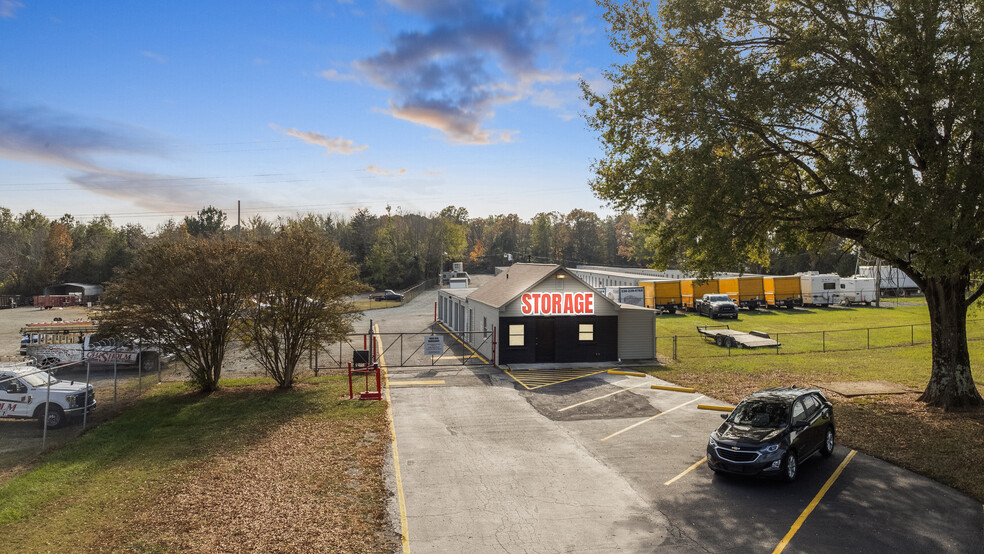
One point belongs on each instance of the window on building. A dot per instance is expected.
(517, 335)
(829, 286)
(585, 332)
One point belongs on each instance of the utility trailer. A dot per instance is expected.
(692, 290)
(724, 335)
(663, 295)
(747, 292)
(782, 291)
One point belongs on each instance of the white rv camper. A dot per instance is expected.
(819, 289)
(857, 290)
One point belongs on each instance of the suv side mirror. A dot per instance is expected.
(724, 416)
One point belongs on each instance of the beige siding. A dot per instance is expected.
(636, 332)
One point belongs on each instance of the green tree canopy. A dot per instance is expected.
(750, 123)
(187, 295)
(303, 281)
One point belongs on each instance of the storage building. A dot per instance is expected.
(543, 313)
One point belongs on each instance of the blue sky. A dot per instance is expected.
(150, 110)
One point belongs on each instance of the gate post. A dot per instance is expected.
(675, 347)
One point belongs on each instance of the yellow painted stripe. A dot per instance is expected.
(416, 383)
(599, 397)
(688, 470)
(632, 373)
(547, 379)
(404, 527)
(634, 425)
(717, 408)
(813, 504)
(675, 389)
(463, 343)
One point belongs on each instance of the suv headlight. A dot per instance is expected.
(770, 449)
(711, 441)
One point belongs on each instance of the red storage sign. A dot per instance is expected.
(558, 303)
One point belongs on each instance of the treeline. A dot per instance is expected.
(392, 250)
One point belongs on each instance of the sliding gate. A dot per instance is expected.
(436, 347)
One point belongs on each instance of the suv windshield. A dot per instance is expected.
(719, 298)
(769, 415)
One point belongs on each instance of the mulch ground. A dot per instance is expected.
(315, 485)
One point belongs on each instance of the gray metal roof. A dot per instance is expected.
(517, 279)
(512, 282)
(66, 288)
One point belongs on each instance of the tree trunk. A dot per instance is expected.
(951, 386)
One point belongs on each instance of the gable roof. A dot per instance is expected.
(511, 283)
(517, 279)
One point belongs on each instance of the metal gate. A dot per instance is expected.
(405, 349)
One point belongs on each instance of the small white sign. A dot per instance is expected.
(433, 345)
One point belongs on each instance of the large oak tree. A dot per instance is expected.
(743, 123)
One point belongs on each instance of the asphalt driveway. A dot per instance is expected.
(604, 463)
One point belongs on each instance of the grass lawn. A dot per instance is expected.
(363, 305)
(948, 447)
(246, 468)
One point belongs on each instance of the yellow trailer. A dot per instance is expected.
(782, 291)
(691, 290)
(747, 292)
(662, 295)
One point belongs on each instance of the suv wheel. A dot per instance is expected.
(789, 466)
(828, 443)
(56, 417)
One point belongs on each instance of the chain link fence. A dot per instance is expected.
(679, 347)
(26, 399)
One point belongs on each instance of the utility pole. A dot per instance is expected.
(239, 218)
(878, 282)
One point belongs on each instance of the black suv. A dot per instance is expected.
(771, 432)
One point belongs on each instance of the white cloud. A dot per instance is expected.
(8, 8)
(334, 75)
(381, 171)
(154, 56)
(331, 145)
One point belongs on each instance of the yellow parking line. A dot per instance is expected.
(634, 425)
(463, 343)
(416, 383)
(404, 527)
(599, 397)
(813, 504)
(688, 470)
(548, 378)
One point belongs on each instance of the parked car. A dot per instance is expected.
(716, 305)
(24, 391)
(386, 295)
(771, 432)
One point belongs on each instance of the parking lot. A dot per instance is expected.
(577, 459)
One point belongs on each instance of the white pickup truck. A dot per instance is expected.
(95, 352)
(24, 393)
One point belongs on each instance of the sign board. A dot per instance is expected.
(558, 303)
(632, 295)
(433, 345)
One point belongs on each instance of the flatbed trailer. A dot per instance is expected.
(724, 335)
